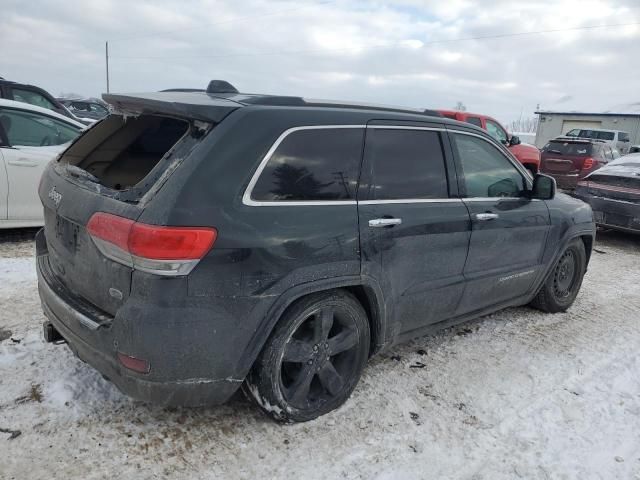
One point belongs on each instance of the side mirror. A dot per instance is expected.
(514, 140)
(544, 187)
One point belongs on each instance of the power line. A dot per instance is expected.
(224, 22)
(387, 45)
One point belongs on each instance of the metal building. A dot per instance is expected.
(621, 117)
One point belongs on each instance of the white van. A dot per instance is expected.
(616, 138)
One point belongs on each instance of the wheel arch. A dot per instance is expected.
(366, 291)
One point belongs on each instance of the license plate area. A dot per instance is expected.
(67, 234)
(618, 220)
(558, 165)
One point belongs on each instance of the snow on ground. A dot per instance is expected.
(518, 394)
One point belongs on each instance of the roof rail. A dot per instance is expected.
(579, 139)
(224, 87)
(290, 101)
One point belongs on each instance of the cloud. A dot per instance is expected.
(407, 52)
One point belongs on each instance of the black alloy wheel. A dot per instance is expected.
(314, 358)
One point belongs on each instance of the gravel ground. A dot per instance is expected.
(517, 394)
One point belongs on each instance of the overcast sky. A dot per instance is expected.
(404, 52)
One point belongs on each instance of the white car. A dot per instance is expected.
(614, 138)
(30, 137)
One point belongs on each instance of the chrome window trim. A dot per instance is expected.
(247, 200)
(406, 127)
(410, 200)
(246, 197)
(498, 199)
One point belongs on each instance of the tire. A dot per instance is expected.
(563, 283)
(314, 358)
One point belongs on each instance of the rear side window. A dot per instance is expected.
(403, 164)
(474, 121)
(597, 134)
(312, 165)
(604, 135)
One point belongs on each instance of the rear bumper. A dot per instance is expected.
(612, 213)
(95, 342)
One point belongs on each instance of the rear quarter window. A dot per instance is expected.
(312, 165)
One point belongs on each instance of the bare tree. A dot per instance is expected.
(524, 125)
(460, 106)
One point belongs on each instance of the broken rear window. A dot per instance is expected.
(121, 151)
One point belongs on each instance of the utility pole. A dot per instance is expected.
(106, 58)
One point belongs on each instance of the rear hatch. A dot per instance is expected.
(115, 168)
(565, 157)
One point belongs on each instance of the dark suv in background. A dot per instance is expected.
(208, 240)
(570, 159)
(33, 95)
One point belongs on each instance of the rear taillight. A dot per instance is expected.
(588, 163)
(150, 248)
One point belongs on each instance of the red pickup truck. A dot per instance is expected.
(527, 155)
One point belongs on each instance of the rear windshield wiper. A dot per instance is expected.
(555, 151)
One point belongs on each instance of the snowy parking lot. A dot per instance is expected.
(518, 394)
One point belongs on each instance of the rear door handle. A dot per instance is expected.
(384, 222)
(484, 217)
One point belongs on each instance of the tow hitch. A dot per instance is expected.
(51, 335)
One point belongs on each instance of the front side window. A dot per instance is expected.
(474, 121)
(623, 137)
(32, 129)
(496, 131)
(403, 164)
(487, 172)
(573, 133)
(312, 165)
(31, 97)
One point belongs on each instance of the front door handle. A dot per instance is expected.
(384, 222)
(484, 217)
